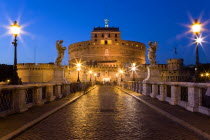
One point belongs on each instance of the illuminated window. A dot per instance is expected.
(94, 43)
(137, 45)
(102, 41)
(117, 43)
(109, 41)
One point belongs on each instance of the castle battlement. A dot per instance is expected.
(34, 66)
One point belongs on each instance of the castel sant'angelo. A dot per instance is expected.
(104, 58)
(106, 53)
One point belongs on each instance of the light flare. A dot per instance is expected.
(78, 69)
(90, 71)
(199, 40)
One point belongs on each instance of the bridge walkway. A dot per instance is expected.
(107, 113)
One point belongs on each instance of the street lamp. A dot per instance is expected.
(95, 76)
(78, 80)
(15, 30)
(116, 75)
(133, 69)
(90, 71)
(78, 66)
(196, 29)
(121, 73)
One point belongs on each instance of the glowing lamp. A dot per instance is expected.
(15, 28)
(196, 27)
(199, 40)
(78, 69)
(78, 65)
(133, 68)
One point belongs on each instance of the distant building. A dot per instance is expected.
(105, 53)
(30, 72)
(204, 72)
(176, 72)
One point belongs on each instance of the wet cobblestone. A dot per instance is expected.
(107, 114)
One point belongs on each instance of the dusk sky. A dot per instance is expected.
(45, 21)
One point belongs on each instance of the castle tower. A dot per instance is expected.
(107, 50)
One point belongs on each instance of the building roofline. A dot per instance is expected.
(106, 29)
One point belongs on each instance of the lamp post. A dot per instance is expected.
(133, 69)
(15, 30)
(116, 75)
(95, 76)
(78, 80)
(196, 29)
(121, 73)
(90, 74)
(78, 66)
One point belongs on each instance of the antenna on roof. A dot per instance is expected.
(106, 23)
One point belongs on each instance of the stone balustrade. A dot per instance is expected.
(19, 98)
(194, 97)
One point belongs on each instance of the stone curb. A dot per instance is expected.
(37, 120)
(173, 118)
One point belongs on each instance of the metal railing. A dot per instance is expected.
(184, 94)
(205, 100)
(29, 95)
(44, 92)
(5, 100)
(168, 91)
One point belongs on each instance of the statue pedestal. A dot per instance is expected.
(153, 74)
(59, 75)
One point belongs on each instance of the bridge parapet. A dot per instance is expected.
(194, 97)
(19, 98)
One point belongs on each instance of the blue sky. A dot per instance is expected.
(46, 21)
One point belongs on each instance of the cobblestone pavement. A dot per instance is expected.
(197, 120)
(15, 121)
(106, 113)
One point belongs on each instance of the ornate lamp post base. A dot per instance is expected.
(15, 80)
(78, 80)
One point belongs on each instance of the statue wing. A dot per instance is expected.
(57, 44)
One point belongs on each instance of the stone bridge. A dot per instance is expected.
(129, 110)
